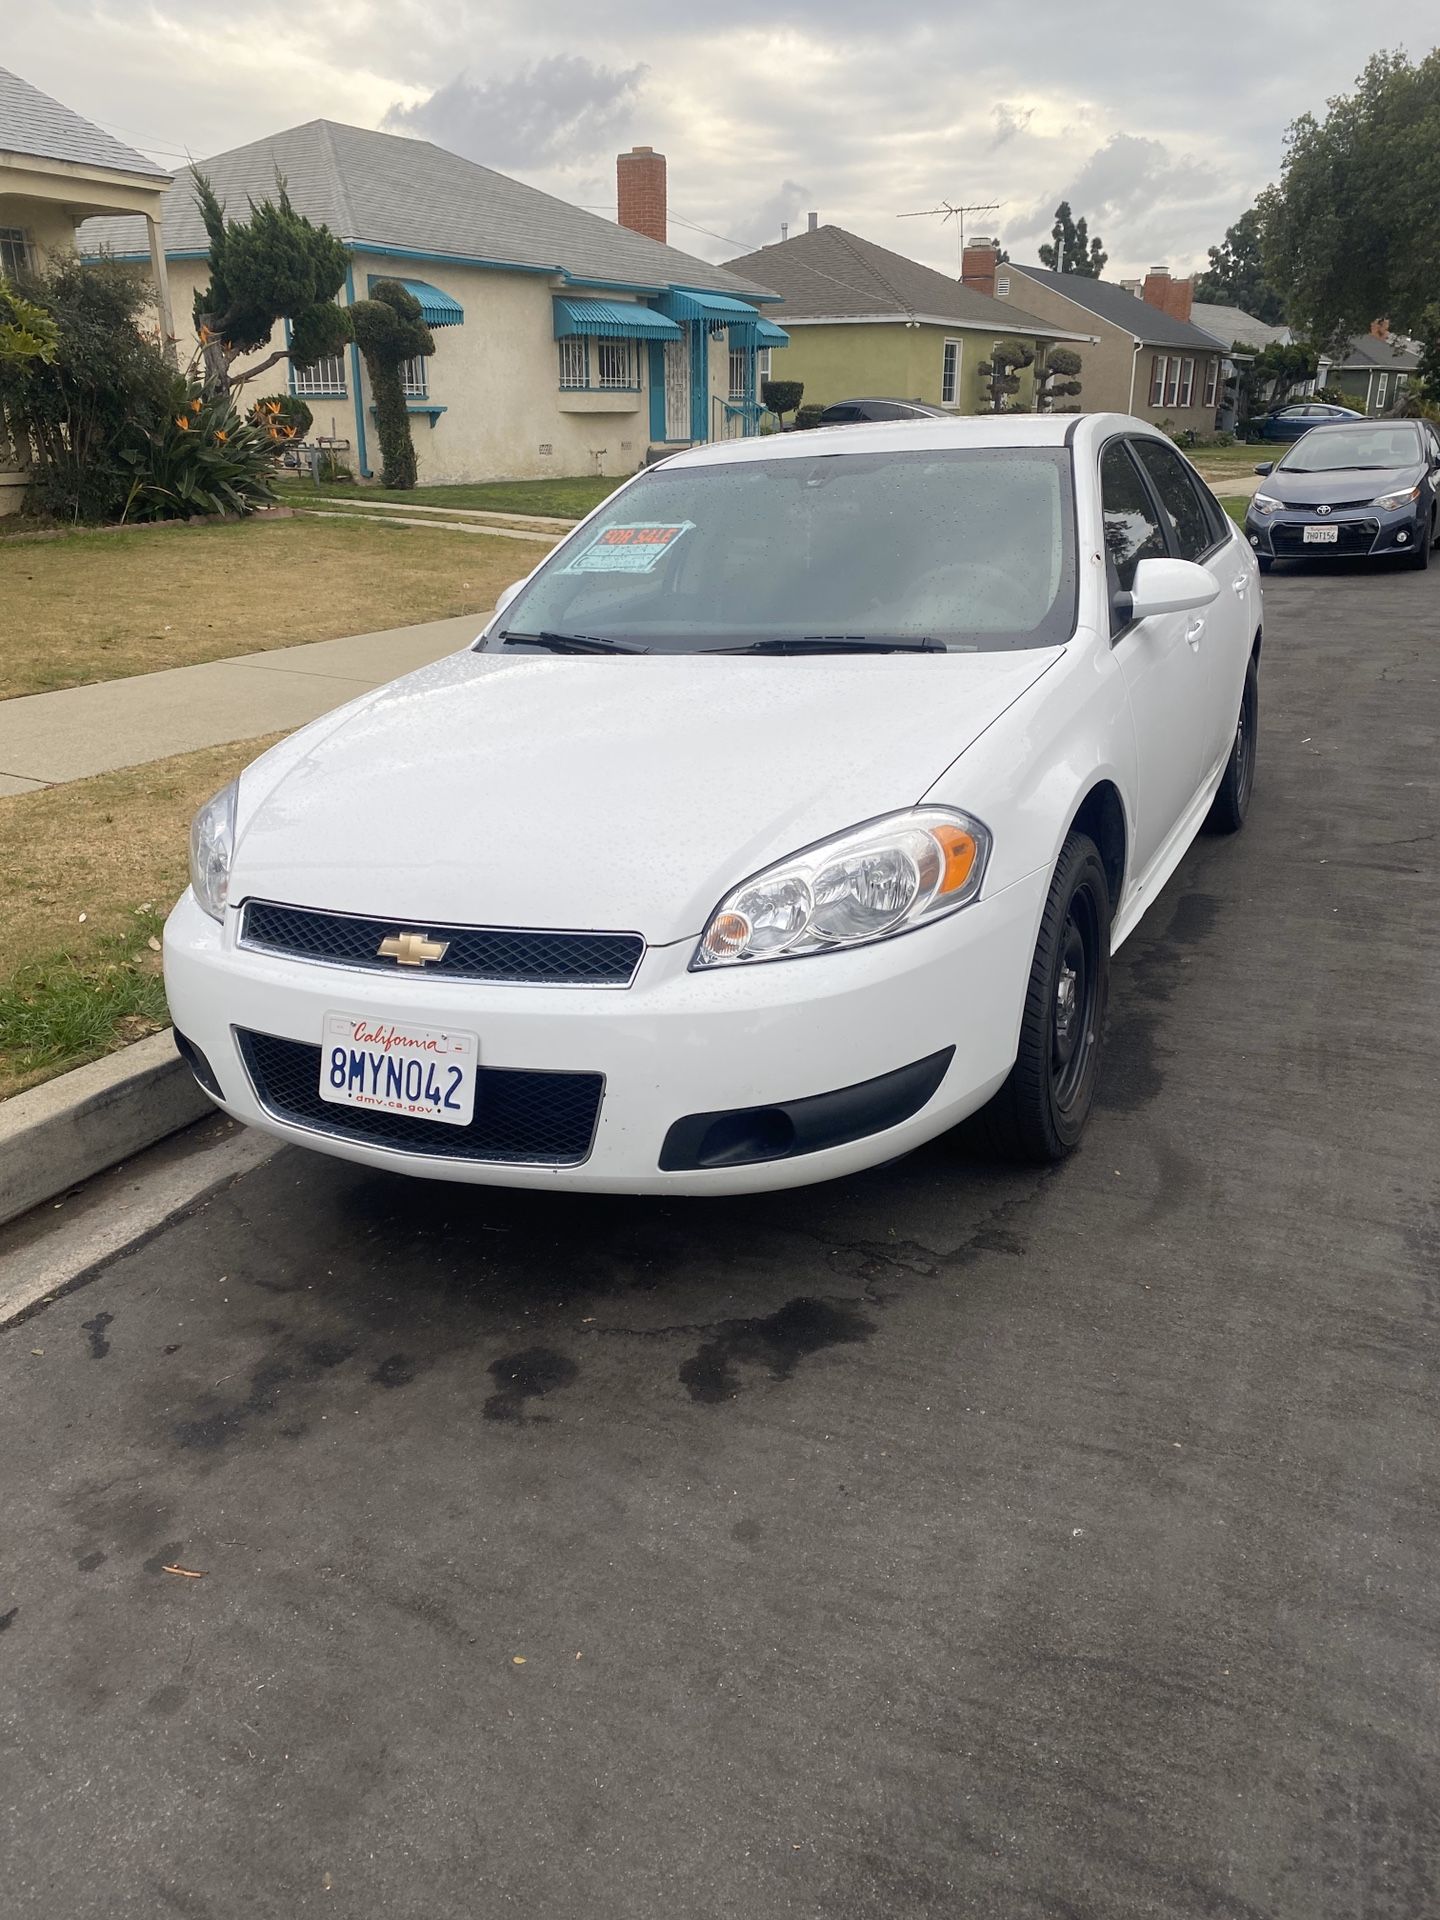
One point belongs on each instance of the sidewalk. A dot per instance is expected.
(47, 738)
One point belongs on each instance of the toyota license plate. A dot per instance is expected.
(1321, 536)
(425, 1073)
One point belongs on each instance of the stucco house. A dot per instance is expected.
(1150, 358)
(1373, 371)
(565, 343)
(865, 321)
(56, 169)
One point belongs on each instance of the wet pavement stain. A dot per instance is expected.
(167, 1699)
(8, 1619)
(213, 1430)
(778, 1342)
(526, 1376)
(395, 1370)
(90, 1561)
(99, 1345)
(746, 1532)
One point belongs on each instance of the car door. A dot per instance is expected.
(1199, 530)
(1164, 674)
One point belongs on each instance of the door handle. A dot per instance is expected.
(1193, 633)
(1240, 582)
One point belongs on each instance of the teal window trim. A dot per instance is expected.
(428, 407)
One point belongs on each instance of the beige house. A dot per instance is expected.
(564, 343)
(56, 170)
(1149, 358)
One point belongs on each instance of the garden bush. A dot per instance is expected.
(203, 460)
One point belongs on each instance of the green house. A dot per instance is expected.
(1373, 372)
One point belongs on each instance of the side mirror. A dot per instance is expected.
(1166, 586)
(506, 595)
(1265, 466)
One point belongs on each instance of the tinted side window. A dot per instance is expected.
(1132, 533)
(840, 416)
(1178, 497)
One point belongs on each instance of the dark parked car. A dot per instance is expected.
(1366, 488)
(1288, 423)
(844, 413)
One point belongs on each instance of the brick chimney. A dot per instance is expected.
(1174, 297)
(978, 263)
(1380, 329)
(640, 192)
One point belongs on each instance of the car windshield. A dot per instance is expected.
(964, 548)
(1327, 449)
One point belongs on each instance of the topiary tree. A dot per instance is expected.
(389, 330)
(1071, 249)
(276, 266)
(782, 396)
(1055, 378)
(1000, 374)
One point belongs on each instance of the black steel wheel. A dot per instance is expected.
(1039, 1114)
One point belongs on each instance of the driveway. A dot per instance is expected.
(949, 1541)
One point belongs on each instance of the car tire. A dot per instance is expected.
(1237, 783)
(1037, 1117)
(1420, 552)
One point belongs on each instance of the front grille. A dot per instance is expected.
(518, 956)
(1356, 536)
(530, 1119)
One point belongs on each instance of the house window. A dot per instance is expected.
(762, 364)
(1002, 287)
(324, 381)
(574, 363)
(1172, 379)
(950, 374)
(14, 252)
(616, 363)
(1382, 387)
(415, 379)
(1157, 380)
(1212, 380)
(738, 358)
(1187, 383)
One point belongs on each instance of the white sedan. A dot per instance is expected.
(789, 812)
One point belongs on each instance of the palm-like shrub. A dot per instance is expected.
(205, 459)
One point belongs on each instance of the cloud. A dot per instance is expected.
(787, 206)
(1136, 195)
(1008, 122)
(552, 112)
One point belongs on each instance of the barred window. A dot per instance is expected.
(325, 380)
(737, 373)
(615, 359)
(415, 378)
(574, 363)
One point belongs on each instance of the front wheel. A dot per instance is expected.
(1420, 553)
(1039, 1114)
(1232, 797)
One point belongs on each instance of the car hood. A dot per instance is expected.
(608, 793)
(1347, 484)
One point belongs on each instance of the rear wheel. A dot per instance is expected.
(1039, 1114)
(1232, 798)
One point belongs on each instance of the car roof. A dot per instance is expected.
(880, 400)
(927, 435)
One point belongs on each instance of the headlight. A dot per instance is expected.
(212, 847)
(869, 883)
(1393, 500)
(1266, 503)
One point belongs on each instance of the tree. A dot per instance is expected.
(389, 330)
(276, 266)
(782, 396)
(1268, 378)
(1352, 231)
(27, 332)
(1055, 378)
(1000, 374)
(1071, 249)
(1237, 273)
(1428, 333)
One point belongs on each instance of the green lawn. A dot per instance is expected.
(1235, 505)
(1241, 458)
(565, 499)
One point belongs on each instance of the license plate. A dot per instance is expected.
(425, 1073)
(1321, 536)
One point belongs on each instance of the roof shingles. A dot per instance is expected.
(1121, 308)
(384, 190)
(33, 124)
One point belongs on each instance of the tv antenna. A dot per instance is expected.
(947, 212)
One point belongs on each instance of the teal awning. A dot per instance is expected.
(717, 308)
(437, 309)
(611, 320)
(767, 334)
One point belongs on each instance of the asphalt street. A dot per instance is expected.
(948, 1541)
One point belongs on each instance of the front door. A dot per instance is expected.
(677, 390)
(1164, 674)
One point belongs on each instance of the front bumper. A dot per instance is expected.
(1362, 533)
(674, 1045)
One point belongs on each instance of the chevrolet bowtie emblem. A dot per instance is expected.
(412, 949)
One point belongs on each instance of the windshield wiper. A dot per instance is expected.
(838, 643)
(569, 643)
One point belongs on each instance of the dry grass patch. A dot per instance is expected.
(101, 606)
(90, 870)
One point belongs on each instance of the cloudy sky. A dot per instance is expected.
(1159, 123)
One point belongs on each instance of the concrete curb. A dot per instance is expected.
(59, 1134)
